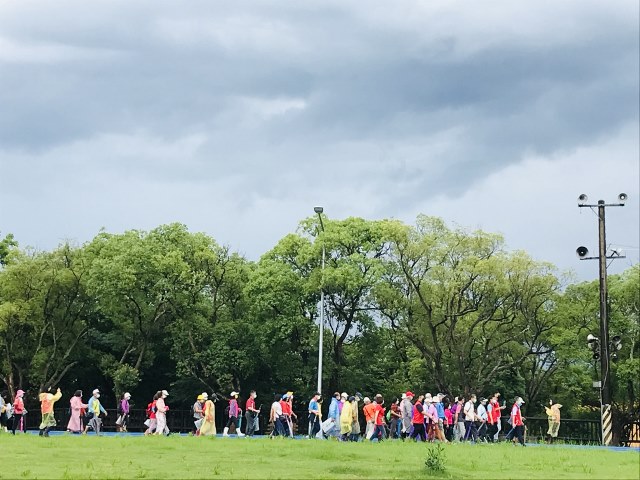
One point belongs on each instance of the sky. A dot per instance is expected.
(237, 118)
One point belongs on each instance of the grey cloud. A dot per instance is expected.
(278, 102)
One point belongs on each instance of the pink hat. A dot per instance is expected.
(19, 393)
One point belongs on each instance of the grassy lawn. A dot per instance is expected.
(190, 457)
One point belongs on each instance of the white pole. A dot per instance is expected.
(320, 341)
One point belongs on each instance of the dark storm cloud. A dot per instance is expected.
(390, 103)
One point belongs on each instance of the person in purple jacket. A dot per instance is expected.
(123, 413)
(234, 411)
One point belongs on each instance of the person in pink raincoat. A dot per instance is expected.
(77, 410)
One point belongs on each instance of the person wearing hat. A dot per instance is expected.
(406, 410)
(208, 425)
(395, 418)
(470, 418)
(198, 412)
(431, 417)
(355, 421)
(369, 416)
(459, 429)
(315, 415)
(346, 418)
(286, 415)
(94, 410)
(18, 413)
(378, 419)
(233, 416)
(123, 413)
(483, 417)
(553, 416)
(161, 414)
(334, 414)
(517, 422)
(47, 400)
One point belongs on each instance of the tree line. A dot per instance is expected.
(425, 306)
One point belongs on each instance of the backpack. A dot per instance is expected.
(389, 416)
(150, 409)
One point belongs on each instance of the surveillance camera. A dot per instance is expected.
(582, 199)
(614, 357)
(582, 252)
(591, 338)
(622, 198)
(596, 355)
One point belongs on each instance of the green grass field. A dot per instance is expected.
(203, 458)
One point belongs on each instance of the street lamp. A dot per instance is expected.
(319, 211)
(602, 342)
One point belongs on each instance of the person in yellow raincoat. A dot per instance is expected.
(47, 399)
(553, 416)
(209, 424)
(346, 419)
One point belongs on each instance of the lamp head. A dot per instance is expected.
(582, 252)
(318, 210)
(582, 199)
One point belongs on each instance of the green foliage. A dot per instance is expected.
(436, 458)
(423, 307)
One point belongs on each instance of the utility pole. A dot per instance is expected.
(603, 341)
(604, 310)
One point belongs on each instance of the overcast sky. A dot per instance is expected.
(237, 118)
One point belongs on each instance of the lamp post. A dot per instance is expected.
(605, 380)
(319, 211)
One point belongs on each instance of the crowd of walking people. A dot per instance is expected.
(422, 417)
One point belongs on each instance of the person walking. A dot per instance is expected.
(459, 431)
(493, 417)
(161, 413)
(378, 419)
(275, 417)
(448, 420)
(233, 416)
(47, 400)
(369, 416)
(77, 408)
(417, 420)
(315, 415)
(19, 413)
(198, 413)
(517, 423)
(123, 413)
(431, 417)
(346, 418)
(406, 410)
(483, 418)
(497, 416)
(355, 420)
(470, 419)
(287, 410)
(395, 417)
(439, 433)
(553, 416)
(334, 415)
(208, 425)
(251, 414)
(151, 422)
(95, 409)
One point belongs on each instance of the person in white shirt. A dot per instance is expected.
(482, 418)
(276, 417)
(469, 419)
